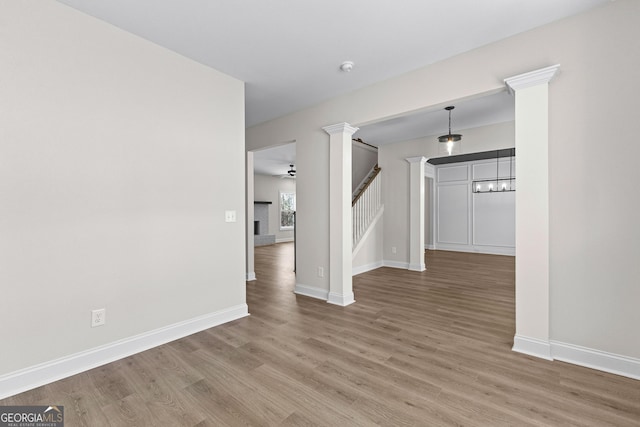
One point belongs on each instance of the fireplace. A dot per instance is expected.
(261, 224)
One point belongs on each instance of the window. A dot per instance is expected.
(287, 210)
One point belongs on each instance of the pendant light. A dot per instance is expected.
(450, 138)
(292, 171)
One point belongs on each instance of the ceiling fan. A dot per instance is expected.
(291, 173)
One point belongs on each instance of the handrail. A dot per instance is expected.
(376, 170)
(365, 143)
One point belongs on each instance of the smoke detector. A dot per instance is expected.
(346, 66)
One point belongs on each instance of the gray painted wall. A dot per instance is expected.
(116, 156)
(593, 226)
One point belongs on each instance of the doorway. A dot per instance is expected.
(271, 194)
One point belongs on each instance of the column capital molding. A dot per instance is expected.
(421, 159)
(340, 128)
(532, 78)
(429, 170)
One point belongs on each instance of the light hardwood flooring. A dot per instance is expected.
(429, 349)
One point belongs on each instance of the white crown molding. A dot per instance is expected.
(48, 372)
(416, 159)
(532, 78)
(340, 128)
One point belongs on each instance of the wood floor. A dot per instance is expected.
(428, 349)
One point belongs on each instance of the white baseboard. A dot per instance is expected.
(45, 373)
(251, 276)
(395, 264)
(532, 347)
(367, 267)
(596, 359)
(310, 291)
(477, 249)
(577, 355)
(430, 247)
(284, 240)
(340, 299)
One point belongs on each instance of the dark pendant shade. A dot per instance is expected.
(450, 137)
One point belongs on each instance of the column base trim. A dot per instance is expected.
(417, 267)
(340, 299)
(311, 291)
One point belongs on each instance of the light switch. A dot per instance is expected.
(230, 216)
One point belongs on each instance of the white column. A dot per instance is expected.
(416, 213)
(430, 172)
(532, 211)
(251, 274)
(340, 235)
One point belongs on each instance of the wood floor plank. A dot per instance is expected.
(255, 400)
(109, 383)
(130, 411)
(80, 408)
(171, 367)
(426, 348)
(309, 402)
(223, 408)
(162, 396)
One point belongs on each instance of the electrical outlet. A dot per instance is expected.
(393, 249)
(98, 317)
(320, 272)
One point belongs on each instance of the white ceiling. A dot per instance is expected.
(275, 161)
(497, 108)
(289, 51)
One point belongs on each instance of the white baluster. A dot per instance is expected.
(365, 209)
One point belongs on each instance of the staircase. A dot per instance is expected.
(366, 203)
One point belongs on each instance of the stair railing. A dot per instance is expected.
(365, 205)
